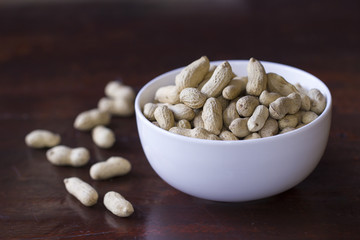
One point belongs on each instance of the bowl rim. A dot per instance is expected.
(140, 115)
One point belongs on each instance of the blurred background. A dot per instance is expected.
(81, 42)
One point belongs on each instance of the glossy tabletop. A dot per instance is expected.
(56, 58)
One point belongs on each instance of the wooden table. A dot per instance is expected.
(56, 58)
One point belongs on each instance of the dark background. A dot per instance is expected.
(57, 56)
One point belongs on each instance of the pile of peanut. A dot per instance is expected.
(119, 101)
(211, 102)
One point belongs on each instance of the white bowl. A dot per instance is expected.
(233, 171)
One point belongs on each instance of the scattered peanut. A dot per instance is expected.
(91, 118)
(42, 139)
(116, 106)
(85, 193)
(118, 90)
(65, 156)
(113, 167)
(117, 204)
(103, 137)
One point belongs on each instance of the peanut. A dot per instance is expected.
(230, 113)
(118, 90)
(181, 111)
(278, 84)
(252, 136)
(227, 135)
(81, 190)
(318, 101)
(257, 78)
(287, 129)
(207, 76)
(305, 102)
(42, 139)
(299, 115)
(246, 105)
(192, 74)
(284, 105)
(164, 116)
(197, 121)
(183, 123)
(195, 133)
(296, 103)
(223, 102)
(236, 86)
(289, 120)
(117, 204)
(212, 116)
(308, 117)
(258, 118)
(168, 94)
(266, 97)
(103, 137)
(270, 128)
(239, 127)
(300, 125)
(192, 97)
(91, 118)
(65, 156)
(149, 109)
(113, 167)
(218, 81)
(300, 88)
(116, 106)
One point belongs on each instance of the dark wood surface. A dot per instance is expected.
(55, 59)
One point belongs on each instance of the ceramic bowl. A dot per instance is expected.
(234, 171)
